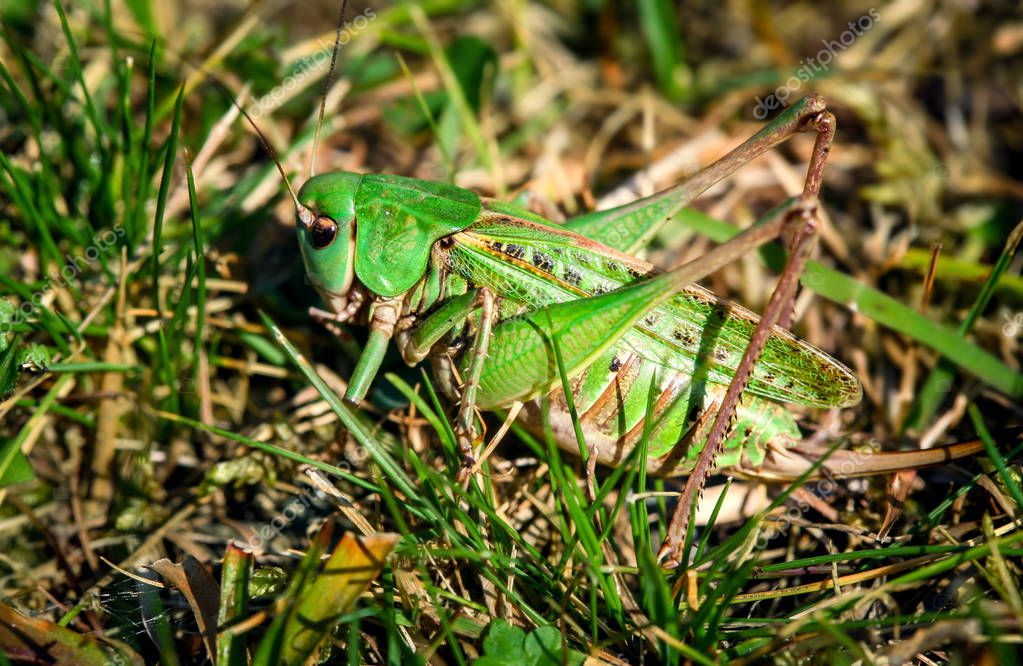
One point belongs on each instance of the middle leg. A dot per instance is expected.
(467, 404)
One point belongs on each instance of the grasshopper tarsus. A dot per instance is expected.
(468, 443)
(465, 469)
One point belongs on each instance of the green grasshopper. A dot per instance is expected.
(501, 301)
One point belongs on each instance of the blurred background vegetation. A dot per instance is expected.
(147, 412)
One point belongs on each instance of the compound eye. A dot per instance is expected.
(323, 231)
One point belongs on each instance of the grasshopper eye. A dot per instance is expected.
(323, 231)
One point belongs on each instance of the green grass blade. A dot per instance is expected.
(941, 375)
(165, 367)
(659, 22)
(347, 414)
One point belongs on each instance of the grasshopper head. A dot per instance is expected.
(326, 234)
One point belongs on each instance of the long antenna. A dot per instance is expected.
(326, 88)
(266, 144)
(304, 214)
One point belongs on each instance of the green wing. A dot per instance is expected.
(532, 266)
